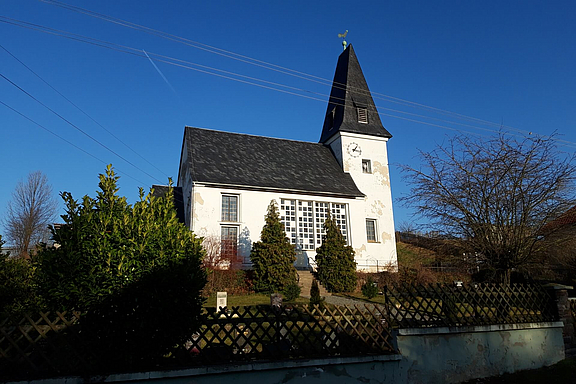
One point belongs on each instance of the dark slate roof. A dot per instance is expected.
(224, 158)
(162, 190)
(349, 91)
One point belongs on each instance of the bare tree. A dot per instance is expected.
(495, 194)
(31, 210)
(219, 253)
(213, 256)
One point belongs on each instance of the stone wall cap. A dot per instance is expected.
(557, 286)
(478, 328)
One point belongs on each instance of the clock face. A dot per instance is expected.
(354, 150)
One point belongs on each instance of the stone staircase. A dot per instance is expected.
(305, 283)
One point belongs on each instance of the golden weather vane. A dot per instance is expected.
(343, 37)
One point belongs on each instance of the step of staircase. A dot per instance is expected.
(305, 282)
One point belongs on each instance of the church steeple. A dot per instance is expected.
(351, 107)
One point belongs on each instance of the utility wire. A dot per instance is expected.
(77, 128)
(267, 65)
(67, 141)
(80, 109)
(166, 59)
(138, 52)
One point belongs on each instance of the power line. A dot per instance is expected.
(67, 141)
(80, 109)
(166, 59)
(176, 62)
(264, 64)
(77, 128)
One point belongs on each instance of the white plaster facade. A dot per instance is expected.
(203, 203)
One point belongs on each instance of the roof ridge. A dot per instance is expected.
(253, 135)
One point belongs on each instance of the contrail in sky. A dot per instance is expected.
(160, 72)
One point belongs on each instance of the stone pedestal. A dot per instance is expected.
(276, 300)
(560, 293)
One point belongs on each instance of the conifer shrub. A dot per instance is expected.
(273, 256)
(292, 291)
(369, 288)
(315, 297)
(335, 260)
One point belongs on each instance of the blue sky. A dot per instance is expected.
(509, 63)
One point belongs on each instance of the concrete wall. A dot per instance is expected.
(433, 355)
(452, 355)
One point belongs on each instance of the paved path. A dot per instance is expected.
(338, 300)
(305, 279)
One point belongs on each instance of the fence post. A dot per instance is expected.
(559, 293)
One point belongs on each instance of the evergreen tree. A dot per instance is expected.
(370, 289)
(335, 260)
(17, 292)
(273, 256)
(315, 297)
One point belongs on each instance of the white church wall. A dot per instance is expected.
(377, 204)
(206, 220)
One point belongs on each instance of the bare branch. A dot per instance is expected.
(496, 194)
(32, 208)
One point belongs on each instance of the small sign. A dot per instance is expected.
(221, 300)
(276, 300)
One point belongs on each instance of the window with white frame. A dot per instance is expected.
(366, 166)
(230, 208)
(229, 242)
(288, 218)
(321, 216)
(304, 226)
(339, 214)
(371, 230)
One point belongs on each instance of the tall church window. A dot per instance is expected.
(306, 224)
(288, 218)
(362, 115)
(229, 242)
(321, 215)
(339, 214)
(304, 221)
(371, 230)
(230, 208)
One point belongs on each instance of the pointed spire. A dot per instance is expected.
(351, 107)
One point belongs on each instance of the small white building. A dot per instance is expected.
(228, 179)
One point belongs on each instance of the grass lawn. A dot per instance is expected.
(561, 373)
(378, 299)
(252, 299)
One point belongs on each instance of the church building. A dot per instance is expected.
(227, 180)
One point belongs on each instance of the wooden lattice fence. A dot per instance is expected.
(50, 344)
(468, 304)
(298, 331)
(36, 343)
